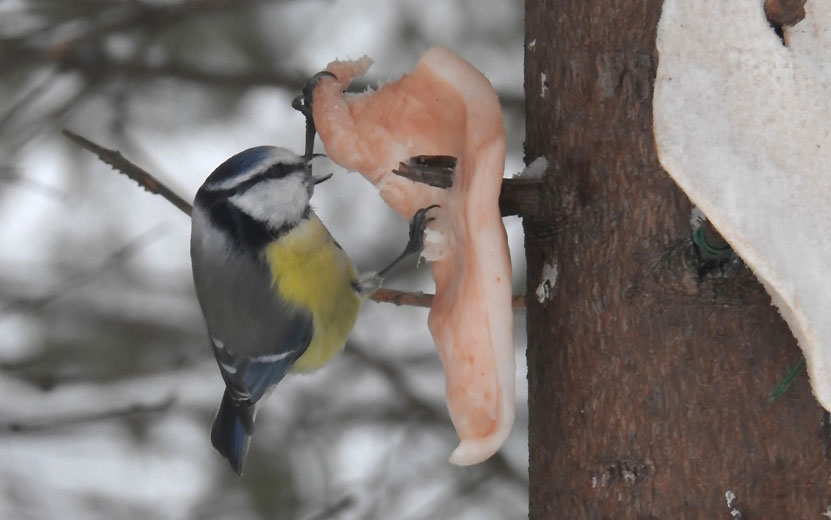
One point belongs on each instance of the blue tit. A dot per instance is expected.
(276, 290)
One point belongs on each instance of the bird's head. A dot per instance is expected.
(271, 185)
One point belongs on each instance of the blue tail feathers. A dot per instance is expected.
(229, 435)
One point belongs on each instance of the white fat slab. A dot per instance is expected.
(743, 125)
(275, 201)
(274, 156)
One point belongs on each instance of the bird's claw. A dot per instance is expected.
(303, 104)
(417, 226)
(416, 242)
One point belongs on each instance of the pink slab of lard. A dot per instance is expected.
(444, 107)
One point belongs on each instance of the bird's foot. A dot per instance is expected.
(303, 104)
(417, 226)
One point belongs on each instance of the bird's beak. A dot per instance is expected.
(308, 160)
(322, 178)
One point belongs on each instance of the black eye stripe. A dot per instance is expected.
(283, 169)
(277, 171)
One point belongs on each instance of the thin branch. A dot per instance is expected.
(434, 170)
(518, 196)
(122, 165)
(395, 377)
(15, 136)
(74, 420)
(467, 484)
(100, 66)
(141, 14)
(525, 198)
(420, 299)
(399, 298)
(153, 185)
(23, 364)
(28, 98)
(84, 276)
(184, 72)
(334, 509)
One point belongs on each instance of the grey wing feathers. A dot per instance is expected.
(249, 377)
(256, 336)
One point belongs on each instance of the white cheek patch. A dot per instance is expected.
(275, 202)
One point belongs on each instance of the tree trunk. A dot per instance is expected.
(648, 378)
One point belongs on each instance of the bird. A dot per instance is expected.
(277, 292)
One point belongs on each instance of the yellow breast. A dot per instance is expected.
(311, 272)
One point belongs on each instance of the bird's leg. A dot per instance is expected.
(416, 242)
(369, 282)
(303, 103)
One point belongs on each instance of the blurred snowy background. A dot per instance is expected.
(107, 384)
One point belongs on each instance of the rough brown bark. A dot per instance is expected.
(648, 381)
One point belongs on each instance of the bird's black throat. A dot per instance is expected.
(249, 234)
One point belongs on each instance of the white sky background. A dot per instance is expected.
(87, 212)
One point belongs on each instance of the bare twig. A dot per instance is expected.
(433, 170)
(22, 130)
(398, 298)
(74, 420)
(420, 299)
(334, 509)
(28, 98)
(184, 72)
(467, 484)
(130, 16)
(83, 277)
(122, 165)
(525, 198)
(24, 363)
(518, 196)
(395, 377)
